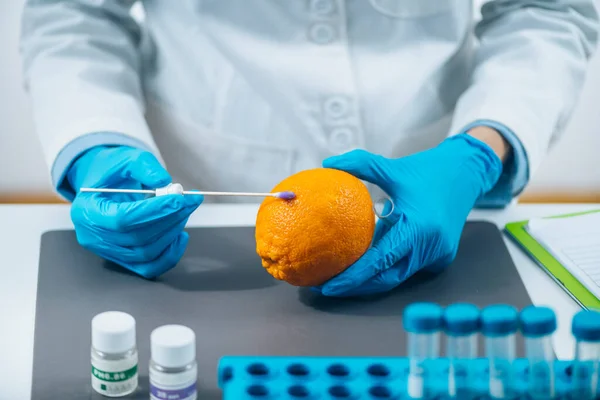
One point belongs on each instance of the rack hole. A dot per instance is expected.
(257, 390)
(378, 370)
(258, 369)
(340, 392)
(569, 371)
(298, 391)
(298, 370)
(380, 392)
(338, 370)
(227, 374)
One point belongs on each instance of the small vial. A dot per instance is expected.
(173, 368)
(585, 328)
(499, 325)
(114, 354)
(422, 322)
(537, 326)
(461, 324)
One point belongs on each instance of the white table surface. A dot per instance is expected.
(22, 226)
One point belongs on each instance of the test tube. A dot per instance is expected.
(422, 322)
(585, 328)
(537, 325)
(499, 325)
(461, 324)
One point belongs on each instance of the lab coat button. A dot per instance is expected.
(341, 139)
(322, 33)
(322, 6)
(336, 107)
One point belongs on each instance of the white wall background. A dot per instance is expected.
(573, 166)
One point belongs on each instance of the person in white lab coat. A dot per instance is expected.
(410, 95)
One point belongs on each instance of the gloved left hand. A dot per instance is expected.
(433, 193)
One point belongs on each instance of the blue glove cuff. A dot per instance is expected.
(79, 146)
(76, 172)
(515, 171)
(480, 160)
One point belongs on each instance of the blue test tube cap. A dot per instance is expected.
(586, 326)
(461, 319)
(422, 318)
(499, 320)
(537, 321)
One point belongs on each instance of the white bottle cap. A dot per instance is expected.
(113, 332)
(173, 346)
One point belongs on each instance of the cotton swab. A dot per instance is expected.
(176, 188)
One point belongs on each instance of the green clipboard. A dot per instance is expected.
(517, 232)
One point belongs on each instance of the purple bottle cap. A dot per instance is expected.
(286, 195)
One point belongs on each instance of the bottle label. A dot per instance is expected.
(163, 393)
(116, 382)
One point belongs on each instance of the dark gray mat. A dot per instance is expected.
(220, 290)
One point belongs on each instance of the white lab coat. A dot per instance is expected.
(238, 94)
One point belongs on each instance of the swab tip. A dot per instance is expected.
(286, 195)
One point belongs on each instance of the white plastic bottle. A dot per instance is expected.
(173, 368)
(114, 356)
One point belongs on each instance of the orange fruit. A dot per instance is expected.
(318, 234)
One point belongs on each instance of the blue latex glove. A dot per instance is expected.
(144, 235)
(433, 193)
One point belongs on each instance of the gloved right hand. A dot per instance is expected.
(144, 235)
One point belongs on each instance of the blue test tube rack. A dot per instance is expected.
(290, 378)
(332, 378)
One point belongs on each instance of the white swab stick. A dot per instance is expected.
(277, 194)
(174, 188)
(102, 190)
